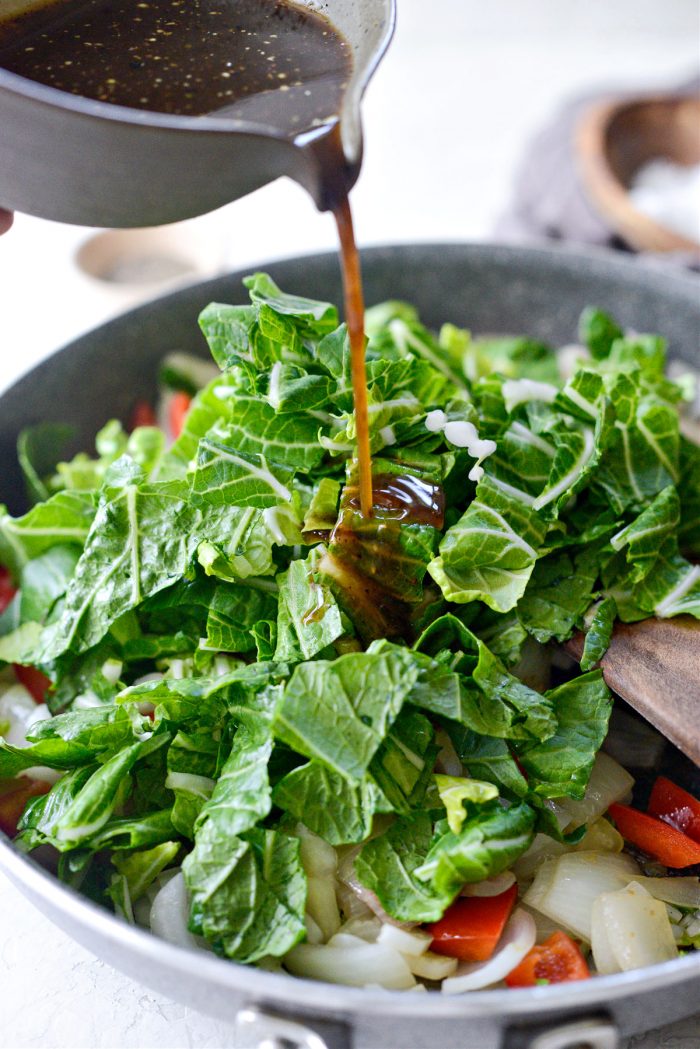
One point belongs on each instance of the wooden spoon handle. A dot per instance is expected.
(655, 666)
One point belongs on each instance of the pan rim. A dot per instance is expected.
(332, 999)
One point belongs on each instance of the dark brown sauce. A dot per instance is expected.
(265, 61)
(355, 318)
(372, 573)
(404, 498)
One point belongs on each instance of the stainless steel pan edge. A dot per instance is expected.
(491, 288)
(345, 1017)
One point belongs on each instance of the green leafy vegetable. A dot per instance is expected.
(561, 765)
(238, 657)
(490, 553)
(248, 896)
(339, 712)
(338, 810)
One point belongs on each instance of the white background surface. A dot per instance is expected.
(466, 82)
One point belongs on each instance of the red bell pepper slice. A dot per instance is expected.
(142, 414)
(7, 589)
(177, 411)
(472, 926)
(36, 683)
(669, 846)
(672, 804)
(13, 802)
(557, 960)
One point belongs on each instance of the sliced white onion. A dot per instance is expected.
(500, 883)
(270, 964)
(345, 939)
(601, 948)
(356, 966)
(570, 358)
(43, 773)
(322, 904)
(559, 812)
(318, 858)
(565, 888)
(313, 932)
(543, 882)
(367, 929)
(86, 701)
(405, 942)
(543, 848)
(630, 930)
(545, 926)
(170, 912)
(518, 938)
(431, 966)
(142, 912)
(177, 669)
(17, 712)
(142, 906)
(351, 905)
(681, 892)
(609, 782)
(347, 875)
(601, 836)
(41, 713)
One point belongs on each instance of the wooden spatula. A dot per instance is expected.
(655, 666)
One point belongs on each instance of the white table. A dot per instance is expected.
(446, 119)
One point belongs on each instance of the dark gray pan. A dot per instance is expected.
(489, 289)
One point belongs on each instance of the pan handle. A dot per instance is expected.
(259, 1029)
(593, 1033)
(262, 1030)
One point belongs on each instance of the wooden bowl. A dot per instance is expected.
(615, 139)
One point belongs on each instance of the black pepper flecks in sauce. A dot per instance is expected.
(265, 61)
(269, 62)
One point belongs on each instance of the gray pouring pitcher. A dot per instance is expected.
(75, 160)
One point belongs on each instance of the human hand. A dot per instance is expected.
(5, 220)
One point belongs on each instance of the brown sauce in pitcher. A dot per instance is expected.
(267, 62)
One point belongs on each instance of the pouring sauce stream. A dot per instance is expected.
(355, 317)
(266, 62)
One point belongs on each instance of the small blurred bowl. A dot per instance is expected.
(615, 139)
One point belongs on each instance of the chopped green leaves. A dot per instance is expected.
(489, 554)
(248, 895)
(339, 712)
(234, 650)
